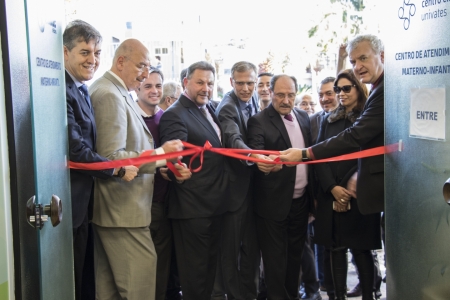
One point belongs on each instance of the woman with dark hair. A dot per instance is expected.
(339, 225)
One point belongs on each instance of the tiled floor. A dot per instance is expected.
(352, 278)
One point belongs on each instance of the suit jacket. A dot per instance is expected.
(235, 136)
(82, 135)
(121, 133)
(205, 194)
(354, 230)
(273, 192)
(367, 132)
(316, 121)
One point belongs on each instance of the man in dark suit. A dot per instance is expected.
(196, 206)
(239, 251)
(366, 54)
(282, 195)
(82, 47)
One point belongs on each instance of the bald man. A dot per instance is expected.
(125, 257)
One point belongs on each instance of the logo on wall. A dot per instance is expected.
(405, 12)
(43, 22)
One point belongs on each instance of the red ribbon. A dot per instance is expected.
(241, 154)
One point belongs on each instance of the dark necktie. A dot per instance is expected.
(84, 90)
(288, 117)
(249, 110)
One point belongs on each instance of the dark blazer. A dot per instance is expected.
(235, 136)
(82, 136)
(367, 132)
(316, 120)
(348, 229)
(205, 194)
(273, 192)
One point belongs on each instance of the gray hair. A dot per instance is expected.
(243, 66)
(79, 31)
(375, 43)
(328, 80)
(169, 90)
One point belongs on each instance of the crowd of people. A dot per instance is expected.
(217, 227)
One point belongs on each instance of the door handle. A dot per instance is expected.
(446, 191)
(37, 214)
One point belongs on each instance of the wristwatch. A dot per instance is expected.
(304, 155)
(121, 172)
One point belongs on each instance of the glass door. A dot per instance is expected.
(50, 145)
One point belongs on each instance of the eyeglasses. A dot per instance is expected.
(141, 66)
(345, 88)
(282, 96)
(242, 83)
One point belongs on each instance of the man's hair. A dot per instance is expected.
(200, 65)
(359, 86)
(299, 98)
(182, 75)
(276, 77)
(243, 66)
(375, 43)
(327, 80)
(79, 31)
(265, 74)
(155, 70)
(169, 90)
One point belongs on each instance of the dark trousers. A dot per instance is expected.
(173, 286)
(161, 232)
(239, 253)
(80, 240)
(281, 244)
(197, 248)
(308, 266)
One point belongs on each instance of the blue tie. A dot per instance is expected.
(84, 90)
(249, 110)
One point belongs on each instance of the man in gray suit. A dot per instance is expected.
(125, 257)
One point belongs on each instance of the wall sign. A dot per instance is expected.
(427, 113)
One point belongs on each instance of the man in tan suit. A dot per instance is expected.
(125, 257)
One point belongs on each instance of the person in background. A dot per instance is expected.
(306, 103)
(262, 88)
(170, 93)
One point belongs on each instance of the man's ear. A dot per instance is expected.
(382, 56)
(120, 62)
(66, 53)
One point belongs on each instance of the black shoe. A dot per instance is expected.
(384, 279)
(322, 288)
(313, 296)
(378, 295)
(355, 292)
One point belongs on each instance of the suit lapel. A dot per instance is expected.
(238, 108)
(279, 124)
(130, 102)
(195, 111)
(83, 104)
(303, 127)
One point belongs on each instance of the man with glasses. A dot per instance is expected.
(282, 196)
(125, 257)
(239, 251)
(306, 103)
